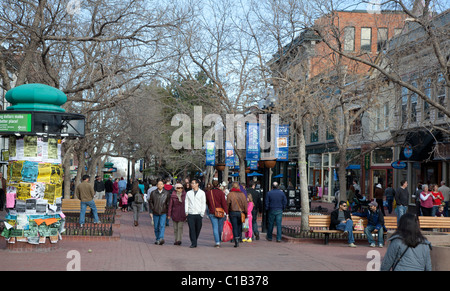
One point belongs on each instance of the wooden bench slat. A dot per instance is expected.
(74, 205)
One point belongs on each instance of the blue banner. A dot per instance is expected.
(253, 164)
(252, 143)
(229, 154)
(210, 153)
(282, 143)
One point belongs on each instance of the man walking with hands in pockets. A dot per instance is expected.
(195, 206)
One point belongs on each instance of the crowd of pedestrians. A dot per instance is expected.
(189, 201)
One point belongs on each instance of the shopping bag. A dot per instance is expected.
(245, 225)
(227, 232)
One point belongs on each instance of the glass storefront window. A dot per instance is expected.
(382, 156)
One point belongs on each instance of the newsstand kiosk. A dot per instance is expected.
(35, 126)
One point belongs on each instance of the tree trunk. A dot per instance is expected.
(303, 177)
(342, 175)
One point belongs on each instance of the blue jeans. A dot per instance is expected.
(348, 226)
(400, 210)
(114, 200)
(217, 226)
(159, 222)
(274, 216)
(368, 231)
(108, 197)
(91, 204)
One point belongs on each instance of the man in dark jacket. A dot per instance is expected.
(341, 219)
(159, 204)
(276, 201)
(375, 220)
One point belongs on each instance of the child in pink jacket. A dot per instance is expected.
(249, 233)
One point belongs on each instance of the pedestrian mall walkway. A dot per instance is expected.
(134, 249)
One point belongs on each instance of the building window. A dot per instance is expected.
(315, 130)
(440, 93)
(382, 156)
(366, 39)
(382, 117)
(349, 39)
(426, 105)
(382, 37)
(397, 31)
(414, 99)
(355, 128)
(404, 95)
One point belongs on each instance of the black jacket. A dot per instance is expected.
(334, 218)
(257, 203)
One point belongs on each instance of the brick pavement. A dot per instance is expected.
(135, 250)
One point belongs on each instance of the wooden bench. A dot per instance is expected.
(321, 224)
(74, 206)
(430, 222)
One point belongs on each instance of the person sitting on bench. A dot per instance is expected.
(341, 220)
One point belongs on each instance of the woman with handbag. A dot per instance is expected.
(237, 208)
(408, 249)
(217, 206)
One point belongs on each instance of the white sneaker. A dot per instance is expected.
(380, 245)
(352, 245)
(372, 245)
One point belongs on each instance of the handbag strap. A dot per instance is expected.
(398, 260)
(212, 196)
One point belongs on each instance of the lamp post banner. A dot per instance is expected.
(252, 141)
(282, 143)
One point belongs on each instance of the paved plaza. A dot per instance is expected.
(135, 250)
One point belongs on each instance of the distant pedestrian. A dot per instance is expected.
(122, 184)
(195, 210)
(438, 199)
(378, 194)
(138, 202)
(276, 201)
(446, 193)
(215, 198)
(85, 192)
(99, 188)
(168, 187)
(237, 205)
(426, 201)
(401, 199)
(257, 207)
(389, 192)
(249, 232)
(176, 211)
(408, 249)
(159, 204)
(109, 192)
(124, 200)
(115, 192)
